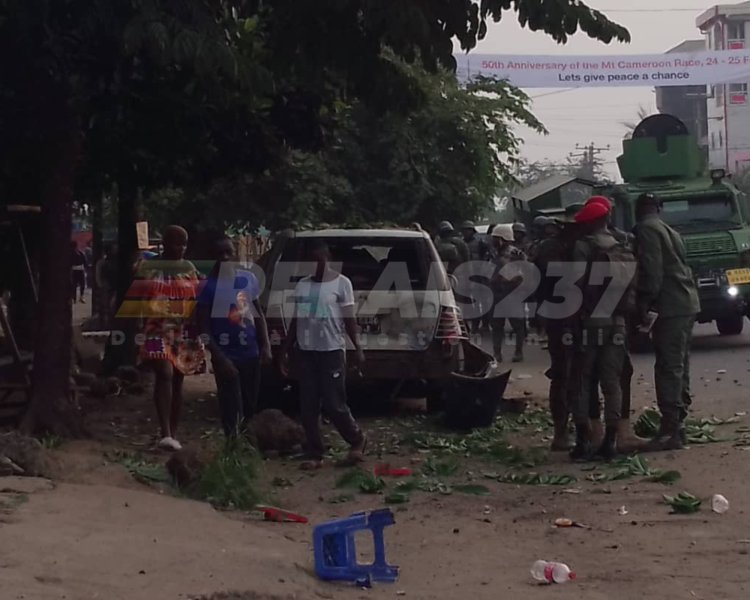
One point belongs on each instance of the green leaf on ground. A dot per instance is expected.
(472, 489)
(536, 479)
(665, 477)
(366, 482)
(397, 498)
(409, 485)
(683, 503)
(140, 468)
(438, 468)
(647, 425)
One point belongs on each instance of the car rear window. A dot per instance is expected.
(364, 260)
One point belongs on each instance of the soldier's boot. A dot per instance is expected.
(608, 449)
(683, 434)
(597, 432)
(627, 441)
(561, 441)
(582, 450)
(669, 437)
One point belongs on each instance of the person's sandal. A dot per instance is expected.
(355, 456)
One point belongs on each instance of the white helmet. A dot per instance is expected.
(504, 232)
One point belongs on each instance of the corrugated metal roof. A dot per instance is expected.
(550, 184)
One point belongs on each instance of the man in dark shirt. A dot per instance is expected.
(237, 336)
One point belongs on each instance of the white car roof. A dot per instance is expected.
(346, 233)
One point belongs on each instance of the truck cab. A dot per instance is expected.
(709, 212)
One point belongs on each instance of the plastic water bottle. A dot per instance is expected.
(551, 572)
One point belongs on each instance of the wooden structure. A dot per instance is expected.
(15, 365)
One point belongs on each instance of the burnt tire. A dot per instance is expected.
(731, 325)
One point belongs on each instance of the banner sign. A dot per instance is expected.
(688, 68)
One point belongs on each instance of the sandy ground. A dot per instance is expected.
(96, 533)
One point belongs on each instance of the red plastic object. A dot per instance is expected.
(388, 471)
(271, 513)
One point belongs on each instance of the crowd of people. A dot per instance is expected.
(588, 346)
(183, 315)
(653, 292)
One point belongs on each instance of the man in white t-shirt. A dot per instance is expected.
(324, 317)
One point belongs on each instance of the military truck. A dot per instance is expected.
(709, 212)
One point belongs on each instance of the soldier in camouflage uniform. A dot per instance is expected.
(627, 441)
(502, 284)
(604, 334)
(666, 286)
(562, 334)
(479, 252)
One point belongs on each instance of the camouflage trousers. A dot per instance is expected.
(603, 357)
(672, 336)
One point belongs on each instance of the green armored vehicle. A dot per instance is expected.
(711, 214)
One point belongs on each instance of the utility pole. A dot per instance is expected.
(586, 156)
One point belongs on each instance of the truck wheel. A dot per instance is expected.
(731, 325)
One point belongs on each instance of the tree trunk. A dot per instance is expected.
(121, 349)
(99, 311)
(52, 409)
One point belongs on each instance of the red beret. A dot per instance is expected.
(599, 200)
(591, 212)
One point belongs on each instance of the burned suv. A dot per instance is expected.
(410, 326)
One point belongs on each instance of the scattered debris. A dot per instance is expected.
(278, 515)
(22, 452)
(622, 511)
(385, 470)
(719, 504)
(562, 523)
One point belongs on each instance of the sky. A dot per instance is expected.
(587, 115)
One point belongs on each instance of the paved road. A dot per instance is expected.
(715, 393)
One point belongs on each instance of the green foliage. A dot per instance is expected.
(397, 498)
(667, 477)
(365, 482)
(51, 441)
(488, 443)
(699, 431)
(634, 466)
(140, 467)
(683, 503)
(436, 468)
(533, 478)
(472, 489)
(230, 479)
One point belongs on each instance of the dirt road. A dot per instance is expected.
(100, 535)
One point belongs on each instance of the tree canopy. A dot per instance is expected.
(196, 94)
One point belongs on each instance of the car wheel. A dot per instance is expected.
(731, 325)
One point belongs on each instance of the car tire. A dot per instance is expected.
(731, 325)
